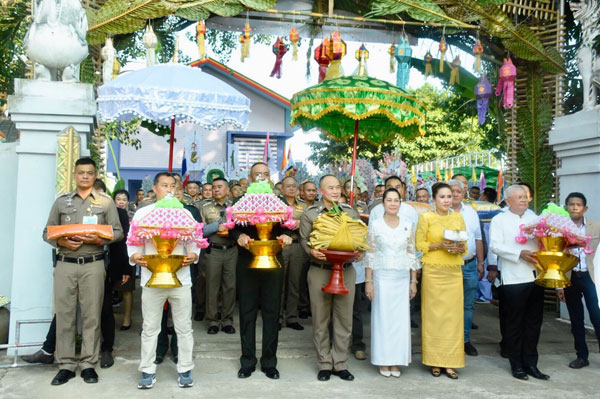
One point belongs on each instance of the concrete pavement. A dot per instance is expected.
(216, 360)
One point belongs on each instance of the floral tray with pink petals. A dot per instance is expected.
(260, 205)
(554, 222)
(168, 220)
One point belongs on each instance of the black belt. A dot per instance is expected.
(295, 241)
(221, 247)
(328, 266)
(81, 259)
(579, 273)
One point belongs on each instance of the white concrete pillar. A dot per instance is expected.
(576, 141)
(40, 111)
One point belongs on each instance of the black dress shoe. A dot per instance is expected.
(474, 326)
(295, 326)
(199, 316)
(246, 372)
(270, 372)
(62, 377)
(344, 375)
(125, 328)
(303, 314)
(106, 359)
(324, 375)
(89, 375)
(212, 330)
(536, 373)
(228, 330)
(159, 359)
(470, 349)
(579, 363)
(38, 357)
(520, 374)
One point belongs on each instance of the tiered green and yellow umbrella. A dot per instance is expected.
(338, 106)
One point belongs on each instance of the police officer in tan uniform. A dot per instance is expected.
(331, 358)
(220, 260)
(294, 259)
(79, 273)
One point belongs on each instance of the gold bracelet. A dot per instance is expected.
(368, 281)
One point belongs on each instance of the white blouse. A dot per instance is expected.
(391, 248)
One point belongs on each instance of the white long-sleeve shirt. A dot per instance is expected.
(504, 228)
(148, 248)
(473, 230)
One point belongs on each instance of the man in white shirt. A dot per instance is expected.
(153, 299)
(406, 212)
(473, 268)
(582, 281)
(523, 299)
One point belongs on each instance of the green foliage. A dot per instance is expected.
(87, 73)
(13, 27)
(424, 10)
(535, 157)
(452, 129)
(124, 132)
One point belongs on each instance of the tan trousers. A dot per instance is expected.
(294, 258)
(322, 304)
(153, 300)
(220, 277)
(84, 284)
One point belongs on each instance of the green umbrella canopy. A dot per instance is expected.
(384, 110)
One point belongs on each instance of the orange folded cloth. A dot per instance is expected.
(69, 230)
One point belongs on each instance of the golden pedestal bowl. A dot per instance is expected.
(164, 270)
(554, 263)
(264, 249)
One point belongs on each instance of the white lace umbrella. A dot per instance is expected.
(171, 94)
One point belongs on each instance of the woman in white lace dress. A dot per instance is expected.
(391, 281)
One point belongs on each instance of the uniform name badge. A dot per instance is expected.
(90, 219)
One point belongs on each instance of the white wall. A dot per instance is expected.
(266, 116)
(8, 182)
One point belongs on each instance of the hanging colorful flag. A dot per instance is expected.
(265, 157)
(446, 175)
(500, 186)
(184, 174)
(290, 160)
(474, 176)
(284, 161)
(482, 184)
(438, 175)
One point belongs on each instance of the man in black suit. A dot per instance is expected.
(258, 289)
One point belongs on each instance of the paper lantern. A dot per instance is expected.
(443, 48)
(322, 59)
(506, 83)
(483, 92)
(428, 68)
(279, 49)
(200, 31)
(455, 71)
(392, 53)
(403, 56)
(477, 52)
(294, 38)
(362, 55)
(245, 39)
(336, 50)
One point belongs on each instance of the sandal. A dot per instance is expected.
(436, 372)
(452, 374)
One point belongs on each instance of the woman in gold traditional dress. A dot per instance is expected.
(442, 332)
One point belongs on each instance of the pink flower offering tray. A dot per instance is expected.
(168, 223)
(255, 208)
(551, 224)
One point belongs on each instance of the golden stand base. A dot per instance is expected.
(164, 270)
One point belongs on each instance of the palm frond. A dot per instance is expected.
(422, 10)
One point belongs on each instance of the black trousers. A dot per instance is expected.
(107, 324)
(523, 311)
(357, 320)
(259, 289)
(582, 286)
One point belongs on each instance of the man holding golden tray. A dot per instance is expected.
(164, 239)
